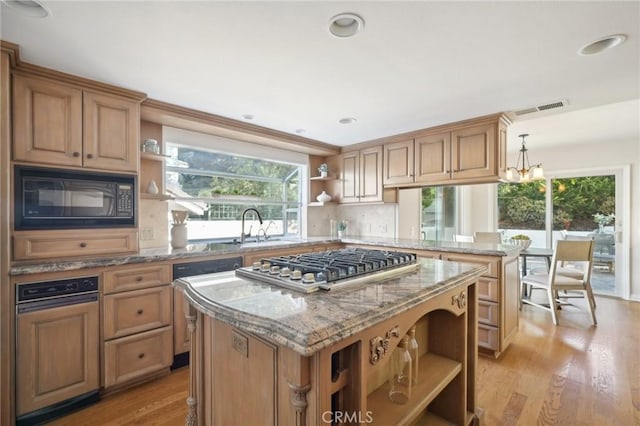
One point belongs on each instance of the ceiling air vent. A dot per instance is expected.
(551, 105)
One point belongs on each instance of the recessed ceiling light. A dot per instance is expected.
(602, 44)
(347, 120)
(346, 25)
(248, 116)
(32, 8)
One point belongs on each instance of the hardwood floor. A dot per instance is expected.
(572, 374)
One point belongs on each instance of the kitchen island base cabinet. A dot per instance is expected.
(240, 378)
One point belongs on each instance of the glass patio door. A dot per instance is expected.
(584, 207)
(592, 203)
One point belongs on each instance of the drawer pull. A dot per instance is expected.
(138, 279)
(140, 311)
(140, 356)
(83, 245)
(89, 155)
(76, 154)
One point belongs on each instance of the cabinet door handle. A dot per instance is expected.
(89, 155)
(138, 279)
(140, 311)
(76, 154)
(140, 356)
(83, 245)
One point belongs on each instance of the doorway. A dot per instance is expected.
(577, 204)
(601, 216)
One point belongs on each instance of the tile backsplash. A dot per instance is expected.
(153, 223)
(371, 220)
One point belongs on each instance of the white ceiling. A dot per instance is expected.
(415, 65)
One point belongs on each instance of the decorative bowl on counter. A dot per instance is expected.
(520, 242)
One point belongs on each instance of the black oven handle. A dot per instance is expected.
(55, 302)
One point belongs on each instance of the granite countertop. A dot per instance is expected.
(308, 323)
(193, 251)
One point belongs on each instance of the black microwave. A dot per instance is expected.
(59, 199)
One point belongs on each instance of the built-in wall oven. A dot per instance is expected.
(58, 198)
(57, 348)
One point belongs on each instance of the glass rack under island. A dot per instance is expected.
(264, 353)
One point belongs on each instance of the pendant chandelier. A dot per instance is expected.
(523, 171)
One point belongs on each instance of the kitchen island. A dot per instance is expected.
(265, 355)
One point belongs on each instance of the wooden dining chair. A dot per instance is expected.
(488, 237)
(553, 282)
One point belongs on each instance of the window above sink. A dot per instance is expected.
(216, 187)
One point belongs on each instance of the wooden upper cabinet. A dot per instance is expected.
(371, 174)
(47, 122)
(361, 176)
(458, 153)
(111, 132)
(473, 152)
(59, 124)
(350, 177)
(433, 158)
(398, 163)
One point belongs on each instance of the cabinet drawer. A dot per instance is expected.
(32, 245)
(488, 289)
(125, 279)
(488, 336)
(136, 311)
(491, 263)
(488, 312)
(134, 356)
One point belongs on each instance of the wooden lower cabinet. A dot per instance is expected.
(57, 355)
(40, 245)
(239, 378)
(498, 299)
(138, 355)
(137, 326)
(246, 368)
(136, 311)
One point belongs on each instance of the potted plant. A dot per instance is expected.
(602, 220)
(342, 228)
(323, 169)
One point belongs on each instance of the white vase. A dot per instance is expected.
(152, 188)
(323, 174)
(323, 197)
(179, 235)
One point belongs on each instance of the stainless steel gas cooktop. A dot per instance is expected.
(330, 269)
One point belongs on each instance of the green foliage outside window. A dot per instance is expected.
(575, 202)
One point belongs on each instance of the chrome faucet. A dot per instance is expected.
(264, 231)
(244, 212)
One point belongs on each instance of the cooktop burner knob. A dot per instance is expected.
(296, 275)
(256, 266)
(275, 270)
(309, 277)
(266, 266)
(285, 272)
